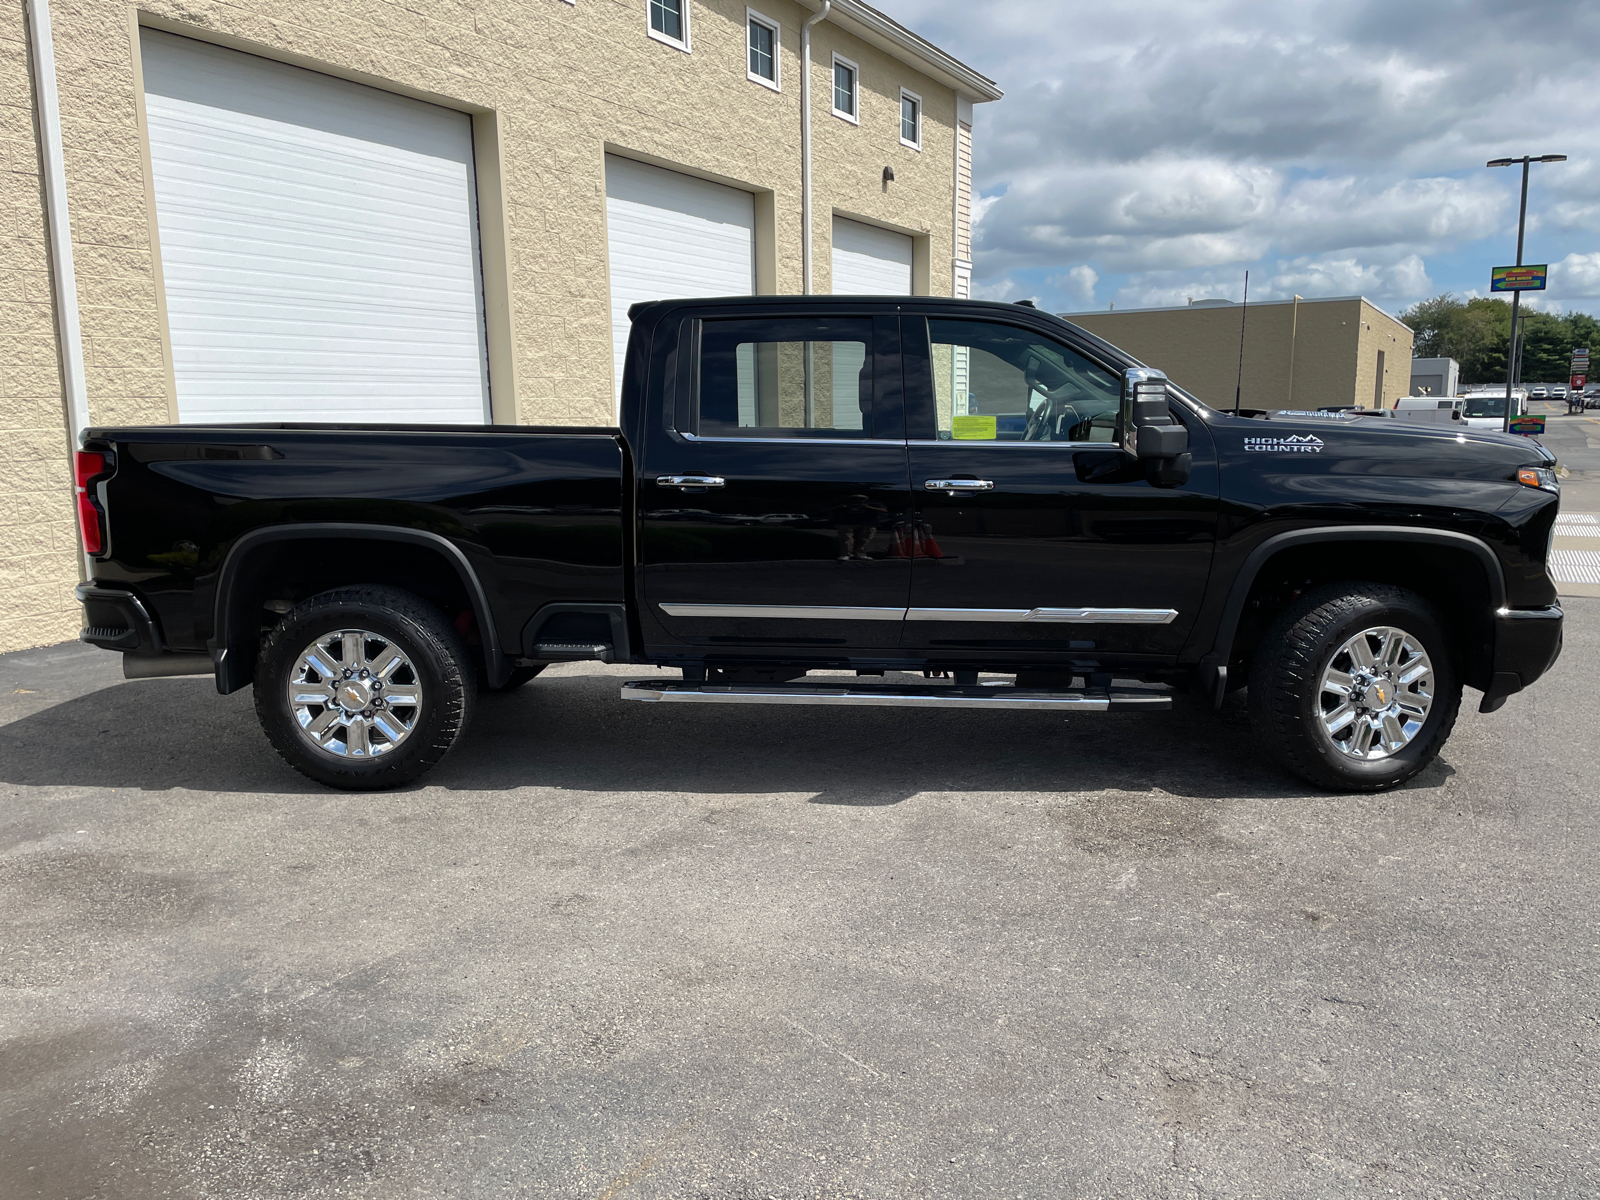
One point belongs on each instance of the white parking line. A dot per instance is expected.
(1575, 566)
(1578, 518)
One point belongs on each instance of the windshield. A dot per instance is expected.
(1484, 406)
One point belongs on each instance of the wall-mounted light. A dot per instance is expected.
(888, 174)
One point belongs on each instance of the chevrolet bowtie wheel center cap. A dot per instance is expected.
(354, 694)
(1376, 692)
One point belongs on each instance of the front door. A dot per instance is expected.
(1037, 535)
(773, 510)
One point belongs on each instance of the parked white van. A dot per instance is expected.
(1487, 409)
(1429, 409)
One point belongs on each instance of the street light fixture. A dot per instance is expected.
(1516, 297)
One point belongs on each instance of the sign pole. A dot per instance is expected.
(1516, 299)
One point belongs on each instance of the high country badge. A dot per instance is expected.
(1298, 444)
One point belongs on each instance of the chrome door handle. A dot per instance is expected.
(958, 485)
(690, 481)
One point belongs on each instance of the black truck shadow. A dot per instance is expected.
(573, 732)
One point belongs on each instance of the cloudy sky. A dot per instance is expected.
(1150, 151)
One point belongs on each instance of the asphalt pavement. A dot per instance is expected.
(1575, 440)
(618, 950)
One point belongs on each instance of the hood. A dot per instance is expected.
(1322, 444)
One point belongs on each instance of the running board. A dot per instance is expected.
(1074, 700)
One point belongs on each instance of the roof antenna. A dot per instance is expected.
(1238, 390)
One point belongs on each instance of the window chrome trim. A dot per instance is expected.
(1073, 616)
(794, 441)
(792, 612)
(1035, 445)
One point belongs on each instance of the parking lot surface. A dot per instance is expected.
(622, 950)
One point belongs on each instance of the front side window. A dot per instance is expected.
(911, 120)
(844, 89)
(763, 50)
(787, 378)
(667, 19)
(1002, 383)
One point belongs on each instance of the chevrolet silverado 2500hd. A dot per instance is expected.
(955, 503)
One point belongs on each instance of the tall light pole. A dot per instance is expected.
(1516, 297)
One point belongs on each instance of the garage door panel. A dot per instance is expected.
(319, 243)
(868, 261)
(671, 236)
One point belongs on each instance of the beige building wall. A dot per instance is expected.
(553, 87)
(38, 534)
(1314, 354)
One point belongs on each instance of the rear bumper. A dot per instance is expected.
(1527, 642)
(118, 620)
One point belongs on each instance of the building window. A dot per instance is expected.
(910, 119)
(764, 46)
(669, 22)
(846, 76)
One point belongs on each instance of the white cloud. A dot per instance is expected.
(1575, 277)
(1337, 146)
(1077, 283)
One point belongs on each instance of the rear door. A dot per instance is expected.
(774, 494)
(1036, 534)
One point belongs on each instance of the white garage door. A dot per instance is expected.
(673, 236)
(319, 242)
(868, 261)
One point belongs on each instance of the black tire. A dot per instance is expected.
(1286, 698)
(438, 661)
(518, 677)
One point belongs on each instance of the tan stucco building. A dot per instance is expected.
(510, 173)
(1297, 353)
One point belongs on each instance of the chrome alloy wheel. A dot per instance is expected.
(1375, 693)
(354, 694)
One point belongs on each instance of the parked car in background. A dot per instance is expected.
(1538, 392)
(1558, 391)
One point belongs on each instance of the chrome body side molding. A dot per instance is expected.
(819, 612)
(799, 612)
(1074, 616)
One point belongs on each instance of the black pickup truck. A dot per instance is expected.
(928, 502)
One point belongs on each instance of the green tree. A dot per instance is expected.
(1477, 333)
(1473, 332)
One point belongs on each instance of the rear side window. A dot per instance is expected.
(786, 378)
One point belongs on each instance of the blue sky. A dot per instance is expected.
(1152, 151)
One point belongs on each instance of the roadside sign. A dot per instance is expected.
(1578, 383)
(1519, 279)
(1527, 426)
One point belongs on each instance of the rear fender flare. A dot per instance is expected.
(234, 653)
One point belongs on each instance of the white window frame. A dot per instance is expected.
(751, 16)
(663, 38)
(855, 75)
(917, 100)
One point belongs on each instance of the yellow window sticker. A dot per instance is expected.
(972, 429)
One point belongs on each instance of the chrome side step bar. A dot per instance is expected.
(894, 696)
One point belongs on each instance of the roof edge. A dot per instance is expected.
(1102, 312)
(910, 48)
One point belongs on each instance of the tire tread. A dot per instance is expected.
(421, 622)
(1288, 660)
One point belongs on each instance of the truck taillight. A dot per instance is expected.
(89, 466)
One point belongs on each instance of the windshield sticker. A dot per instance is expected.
(1298, 444)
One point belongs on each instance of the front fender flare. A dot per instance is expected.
(1214, 664)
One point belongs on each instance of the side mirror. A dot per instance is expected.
(1148, 430)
